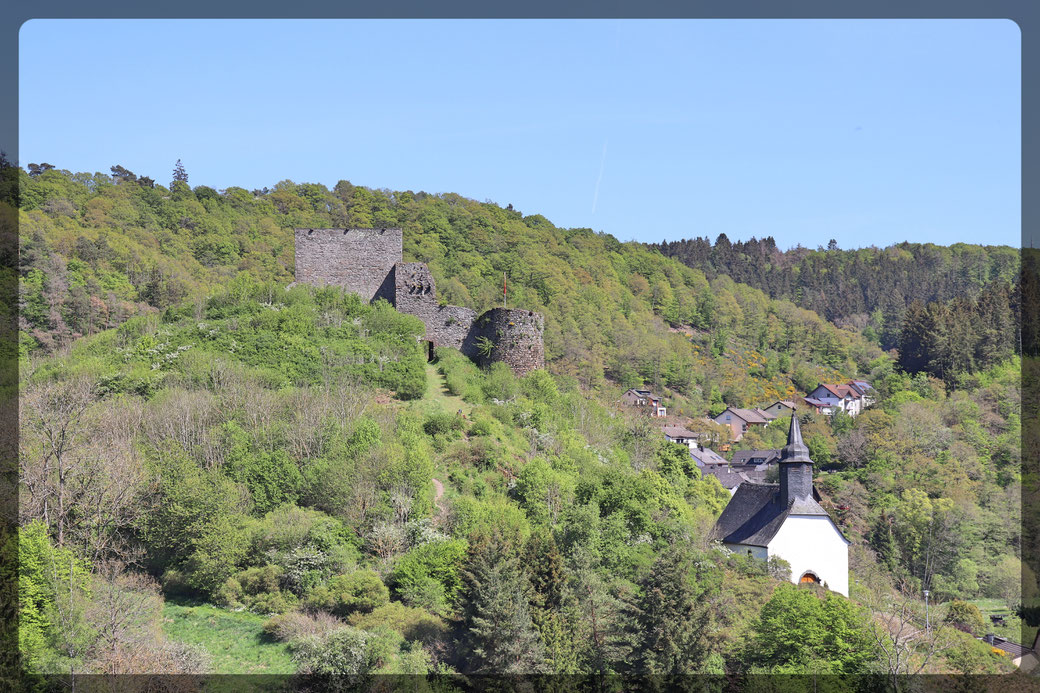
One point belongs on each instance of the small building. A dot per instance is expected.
(786, 520)
(851, 397)
(679, 434)
(755, 457)
(645, 399)
(780, 408)
(705, 458)
(739, 420)
(731, 477)
(819, 406)
(1025, 658)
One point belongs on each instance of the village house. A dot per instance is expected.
(780, 408)
(706, 457)
(644, 399)
(819, 406)
(785, 520)
(679, 434)
(851, 397)
(755, 457)
(739, 420)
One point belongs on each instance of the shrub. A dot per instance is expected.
(343, 652)
(361, 590)
(440, 561)
(412, 623)
(296, 624)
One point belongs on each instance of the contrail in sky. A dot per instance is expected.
(599, 178)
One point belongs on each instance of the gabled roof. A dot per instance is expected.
(748, 415)
(786, 402)
(732, 477)
(678, 432)
(745, 456)
(768, 416)
(754, 515)
(706, 457)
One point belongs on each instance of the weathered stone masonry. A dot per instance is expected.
(368, 262)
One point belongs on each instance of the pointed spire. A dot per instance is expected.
(795, 450)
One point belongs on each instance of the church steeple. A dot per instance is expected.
(795, 466)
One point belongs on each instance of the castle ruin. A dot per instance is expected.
(369, 263)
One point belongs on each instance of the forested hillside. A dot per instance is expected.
(222, 472)
(97, 249)
(949, 310)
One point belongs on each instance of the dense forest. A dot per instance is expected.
(223, 472)
(965, 297)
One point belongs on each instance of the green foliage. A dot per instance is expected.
(500, 634)
(360, 591)
(438, 562)
(797, 632)
(673, 621)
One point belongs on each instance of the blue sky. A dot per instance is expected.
(870, 132)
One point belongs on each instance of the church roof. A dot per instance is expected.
(755, 514)
(755, 457)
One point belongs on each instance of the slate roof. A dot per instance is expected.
(732, 477)
(745, 456)
(707, 458)
(678, 432)
(1012, 648)
(816, 402)
(754, 514)
(750, 415)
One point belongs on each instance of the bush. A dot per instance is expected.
(412, 623)
(295, 624)
(346, 594)
(444, 424)
(440, 561)
(343, 652)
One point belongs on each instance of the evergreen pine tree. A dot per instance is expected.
(500, 635)
(179, 174)
(673, 617)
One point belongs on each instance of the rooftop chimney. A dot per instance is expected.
(795, 467)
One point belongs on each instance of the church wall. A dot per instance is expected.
(814, 543)
(759, 552)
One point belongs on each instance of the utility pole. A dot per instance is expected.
(927, 623)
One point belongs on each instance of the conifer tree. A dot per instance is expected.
(179, 174)
(500, 635)
(673, 617)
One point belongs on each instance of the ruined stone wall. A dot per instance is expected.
(453, 327)
(356, 259)
(368, 262)
(517, 336)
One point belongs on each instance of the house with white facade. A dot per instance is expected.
(785, 520)
(681, 435)
(851, 397)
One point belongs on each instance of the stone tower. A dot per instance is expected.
(795, 467)
(369, 263)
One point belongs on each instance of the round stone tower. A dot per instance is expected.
(516, 336)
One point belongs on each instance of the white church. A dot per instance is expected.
(785, 520)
